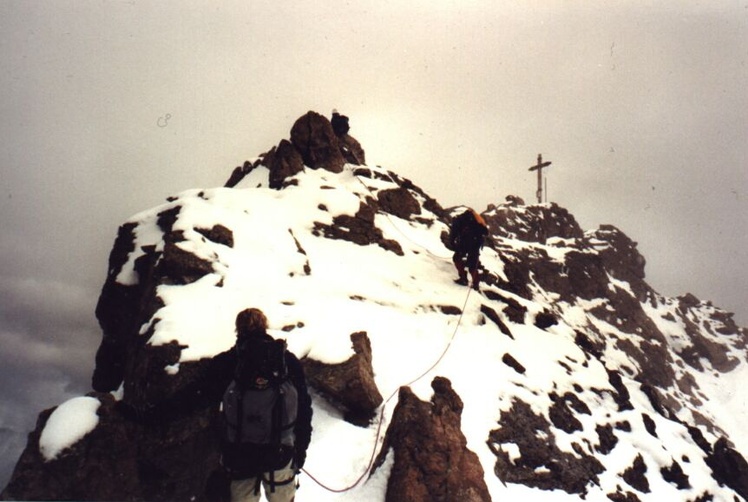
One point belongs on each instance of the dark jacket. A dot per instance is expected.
(340, 124)
(208, 389)
(467, 233)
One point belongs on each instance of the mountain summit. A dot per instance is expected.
(566, 376)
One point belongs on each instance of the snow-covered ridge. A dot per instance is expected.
(564, 334)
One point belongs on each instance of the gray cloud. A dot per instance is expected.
(48, 344)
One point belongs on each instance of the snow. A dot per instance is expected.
(67, 425)
(728, 401)
(396, 300)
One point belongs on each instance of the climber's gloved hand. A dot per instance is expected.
(299, 459)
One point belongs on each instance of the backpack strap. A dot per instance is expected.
(277, 416)
(240, 413)
(277, 430)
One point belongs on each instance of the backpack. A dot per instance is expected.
(467, 230)
(258, 432)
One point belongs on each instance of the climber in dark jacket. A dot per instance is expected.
(339, 124)
(208, 391)
(466, 236)
(251, 325)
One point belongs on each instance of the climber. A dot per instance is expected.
(275, 456)
(339, 124)
(466, 236)
(253, 455)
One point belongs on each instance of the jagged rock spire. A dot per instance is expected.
(313, 144)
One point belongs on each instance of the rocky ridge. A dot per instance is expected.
(611, 409)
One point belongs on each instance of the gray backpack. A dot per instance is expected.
(260, 416)
(259, 420)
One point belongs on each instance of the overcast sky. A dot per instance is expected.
(108, 107)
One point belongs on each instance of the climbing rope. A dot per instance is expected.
(395, 392)
(384, 406)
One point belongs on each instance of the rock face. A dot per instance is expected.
(123, 460)
(537, 223)
(359, 228)
(313, 137)
(313, 144)
(283, 162)
(431, 458)
(351, 149)
(350, 383)
(398, 201)
(124, 308)
(570, 372)
(541, 463)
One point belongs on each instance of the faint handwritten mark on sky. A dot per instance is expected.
(163, 121)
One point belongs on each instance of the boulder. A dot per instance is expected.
(431, 458)
(124, 460)
(314, 139)
(283, 162)
(352, 150)
(399, 202)
(729, 467)
(349, 384)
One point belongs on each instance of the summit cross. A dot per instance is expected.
(539, 168)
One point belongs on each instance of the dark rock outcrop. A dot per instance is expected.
(431, 458)
(283, 162)
(536, 223)
(218, 234)
(351, 149)
(729, 467)
(123, 308)
(359, 229)
(541, 464)
(124, 460)
(179, 266)
(119, 312)
(635, 475)
(313, 143)
(398, 201)
(316, 142)
(349, 384)
(619, 254)
(240, 172)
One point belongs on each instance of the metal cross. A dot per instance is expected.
(539, 168)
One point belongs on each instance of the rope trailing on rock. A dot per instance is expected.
(384, 406)
(394, 393)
